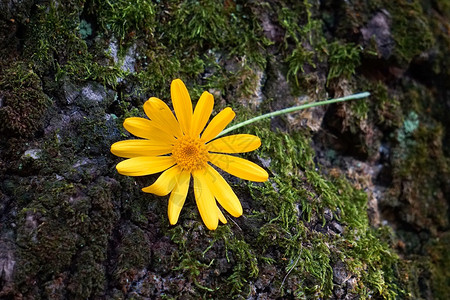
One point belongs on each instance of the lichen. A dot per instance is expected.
(85, 29)
(410, 124)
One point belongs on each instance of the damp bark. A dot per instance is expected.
(356, 205)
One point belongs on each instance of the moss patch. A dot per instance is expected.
(23, 101)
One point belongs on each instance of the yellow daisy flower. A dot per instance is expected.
(182, 146)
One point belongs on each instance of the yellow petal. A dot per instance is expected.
(237, 143)
(239, 167)
(165, 183)
(221, 217)
(139, 127)
(182, 104)
(163, 117)
(139, 166)
(144, 128)
(135, 148)
(223, 192)
(218, 123)
(178, 196)
(202, 113)
(205, 201)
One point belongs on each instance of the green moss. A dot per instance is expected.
(410, 30)
(440, 263)
(296, 60)
(245, 267)
(160, 68)
(420, 154)
(416, 196)
(133, 254)
(24, 102)
(83, 68)
(65, 225)
(240, 260)
(387, 111)
(291, 209)
(89, 274)
(199, 22)
(287, 219)
(57, 47)
(45, 243)
(303, 40)
(343, 60)
(54, 38)
(229, 28)
(441, 64)
(57, 44)
(125, 19)
(409, 26)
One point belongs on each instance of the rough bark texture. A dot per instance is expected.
(357, 204)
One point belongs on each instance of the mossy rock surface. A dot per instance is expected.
(357, 202)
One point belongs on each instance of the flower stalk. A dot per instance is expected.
(294, 109)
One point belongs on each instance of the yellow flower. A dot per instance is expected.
(179, 147)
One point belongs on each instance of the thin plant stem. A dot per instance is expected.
(294, 109)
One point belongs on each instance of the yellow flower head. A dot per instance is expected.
(182, 146)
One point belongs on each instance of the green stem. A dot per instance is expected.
(293, 109)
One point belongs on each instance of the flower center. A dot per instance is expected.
(190, 153)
